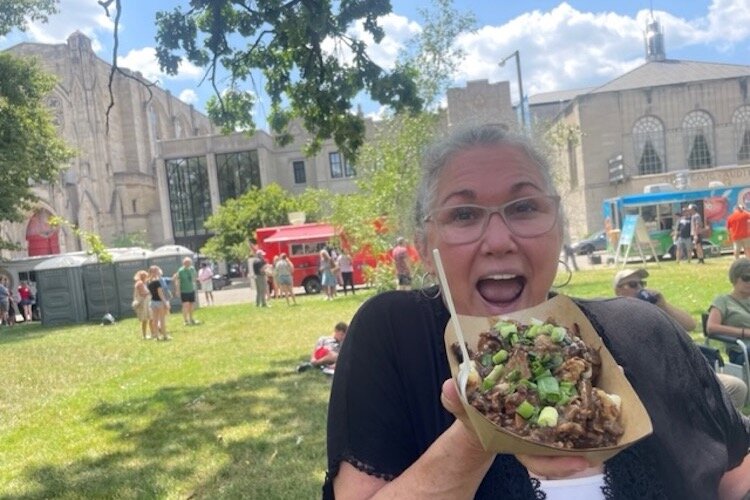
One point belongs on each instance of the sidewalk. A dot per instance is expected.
(239, 292)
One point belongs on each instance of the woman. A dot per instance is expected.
(141, 302)
(159, 304)
(284, 270)
(396, 427)
(730, 314)
(206, 280)
(327, 276)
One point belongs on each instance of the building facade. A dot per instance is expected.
(110, 187)
(682, 123)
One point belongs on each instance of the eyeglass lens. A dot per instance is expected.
(745, 278)
(525, 217)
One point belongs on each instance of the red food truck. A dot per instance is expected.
(302, 243)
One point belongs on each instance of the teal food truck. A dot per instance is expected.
(661, 212)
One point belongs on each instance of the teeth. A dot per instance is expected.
(501, 277)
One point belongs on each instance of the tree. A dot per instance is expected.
(388, 176)
(30, 149)
(18, 13)
(304, 50)
(235, 222)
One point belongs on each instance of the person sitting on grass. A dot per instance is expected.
(326, 350)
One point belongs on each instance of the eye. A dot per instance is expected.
(525, 207)
(462, 215)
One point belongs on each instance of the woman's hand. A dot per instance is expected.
(545, 466)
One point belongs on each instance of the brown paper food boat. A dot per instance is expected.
(634, 418)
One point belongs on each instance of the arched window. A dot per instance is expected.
(649, 145)
(698, 137)
(741, 123)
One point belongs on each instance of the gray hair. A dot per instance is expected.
(440, 153)
(740, 267)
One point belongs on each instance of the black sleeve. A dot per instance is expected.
(698, 434)
(385, 401)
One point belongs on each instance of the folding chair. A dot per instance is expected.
(736, 350)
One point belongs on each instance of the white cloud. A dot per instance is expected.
(564, 48)
(86, 16)
(398, 31)
(188, 96)
(144, 61)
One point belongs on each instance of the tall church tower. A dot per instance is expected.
(654, 38)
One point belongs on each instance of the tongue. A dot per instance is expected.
(500, 291)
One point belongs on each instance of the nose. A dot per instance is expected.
(497, 237)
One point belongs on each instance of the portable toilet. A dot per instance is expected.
(99, 288)
(59, 290)
(126, 264)
(169, 259)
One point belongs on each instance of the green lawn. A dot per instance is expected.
(219, 412)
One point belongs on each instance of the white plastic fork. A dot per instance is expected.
(464, 369)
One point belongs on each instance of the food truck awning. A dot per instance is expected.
(309, 232)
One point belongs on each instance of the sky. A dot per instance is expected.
(562, 45)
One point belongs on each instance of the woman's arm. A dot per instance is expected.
(451, 468)
(735, 484)
(714, 325)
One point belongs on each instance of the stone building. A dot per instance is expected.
(683, 123)
(110, 187)
(162, 169)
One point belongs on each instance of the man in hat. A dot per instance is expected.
(738, 227)
(696, 229)
(259, 271)
(632, 283)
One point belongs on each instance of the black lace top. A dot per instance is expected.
(385, 408)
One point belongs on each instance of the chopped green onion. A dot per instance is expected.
(500, 356)
(506, 329)
(558, 334)
(513, 375)
(547, 417)
(491, 379)
(549, 389)
(486, 360)
(525, 409)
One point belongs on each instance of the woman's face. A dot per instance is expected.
(500, 272)
(741, 287)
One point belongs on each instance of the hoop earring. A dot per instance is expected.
(429, 286)
(570, 274)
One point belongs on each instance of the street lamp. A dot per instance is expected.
(520, 84)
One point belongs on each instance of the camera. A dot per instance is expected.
(647, 296)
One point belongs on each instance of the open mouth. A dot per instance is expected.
(502, 289)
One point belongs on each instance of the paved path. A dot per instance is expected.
(239, 292)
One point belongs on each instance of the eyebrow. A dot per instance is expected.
(471, 195)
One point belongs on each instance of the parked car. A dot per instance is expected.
(220, 281)
(592, 243)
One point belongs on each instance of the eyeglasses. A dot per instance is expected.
(634, 284)
(745, 278)
(525, 217)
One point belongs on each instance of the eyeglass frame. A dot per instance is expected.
(745, 278)
(629, 284)
(500, 210)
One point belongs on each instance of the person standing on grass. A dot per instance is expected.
(259, 272)
(284, 270)
(159, 304)
(4, 303)
(206, 279)
(26, 300)
(142, 302)
(327, 274)
(401, 259)
(738, 226)
(184, 280)
(346, 267)
(696, 231)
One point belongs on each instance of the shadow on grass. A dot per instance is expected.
(22, 331)
(258, 436)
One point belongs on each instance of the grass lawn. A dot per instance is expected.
(219, 412)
